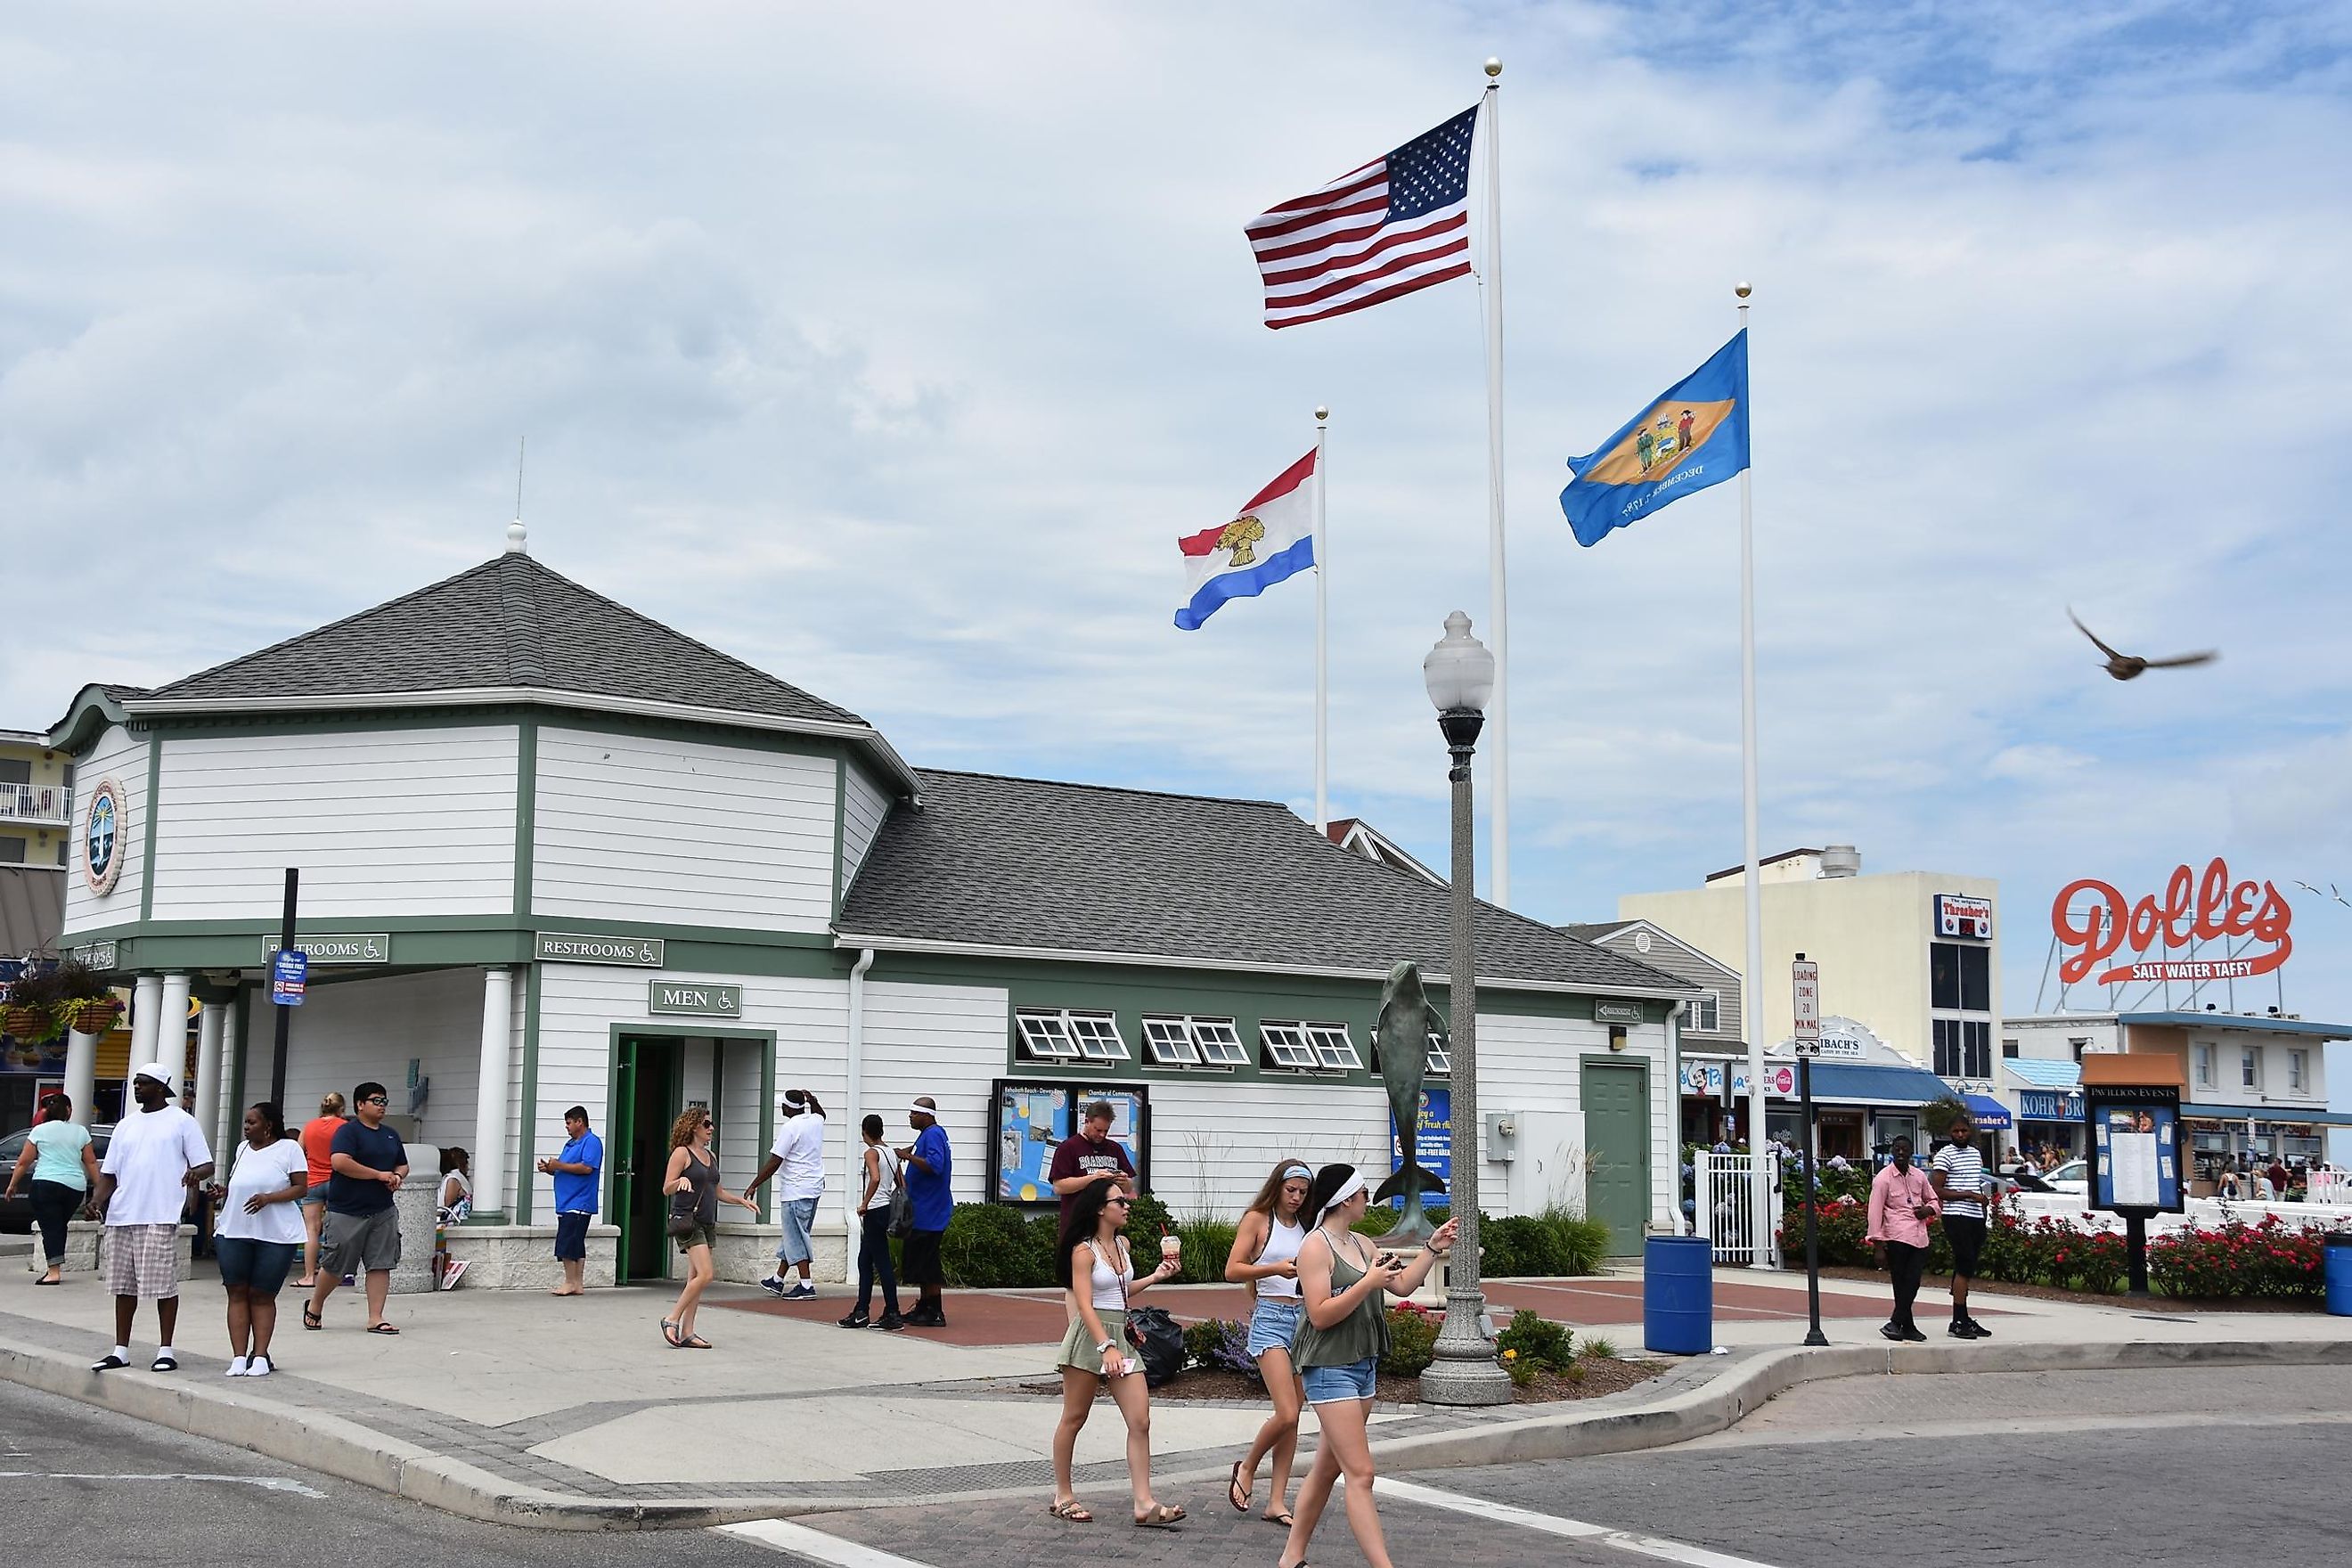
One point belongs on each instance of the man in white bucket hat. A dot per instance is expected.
(158, 1154)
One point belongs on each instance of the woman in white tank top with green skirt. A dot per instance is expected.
(1094, 1267)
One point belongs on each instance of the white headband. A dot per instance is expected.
(919, 1108)
(1348, 1189)
(1297, 1171)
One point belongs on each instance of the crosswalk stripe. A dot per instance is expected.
(801, 1541)
(1554, 1524)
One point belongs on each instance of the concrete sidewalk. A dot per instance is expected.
(574, 1412)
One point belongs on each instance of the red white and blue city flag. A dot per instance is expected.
(1272, 537)
(1395, 224)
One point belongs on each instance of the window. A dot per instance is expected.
(2250, 1069)
(1959, 977)
(1963, 1048)
(1441, 1060)
(1193, 1042)
(2009, 1050)
(1051, 1035)
(2078, 1044)
(1045, 1037)
(2298, 1064)
(2205, 1066)
(1706, 1014)
(1097, 1036)
(1308, 1047)
(1169, 1041)
(1332, 1047)
(12, 850)
(1285, 1046)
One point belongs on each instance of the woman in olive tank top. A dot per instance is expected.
(1345, 1280)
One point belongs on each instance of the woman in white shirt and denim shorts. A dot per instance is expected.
(1266, 1258)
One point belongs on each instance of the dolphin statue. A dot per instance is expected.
(1400, 1039)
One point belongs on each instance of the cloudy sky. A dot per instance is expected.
(892, 349)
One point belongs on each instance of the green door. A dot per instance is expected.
(1617, 1150)
(644, 1101)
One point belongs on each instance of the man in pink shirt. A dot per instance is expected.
(1902, 1202)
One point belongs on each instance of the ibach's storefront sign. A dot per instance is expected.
(2097, 927)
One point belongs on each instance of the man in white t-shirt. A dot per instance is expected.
(799, 1156)
(157, 1154)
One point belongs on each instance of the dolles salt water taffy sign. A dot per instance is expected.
(2094, 924)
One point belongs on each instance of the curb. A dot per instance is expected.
(350, 1451)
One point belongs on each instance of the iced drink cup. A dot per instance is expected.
(1170, 1248)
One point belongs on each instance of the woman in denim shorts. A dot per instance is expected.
(1266, 1258)
(1342, 1279)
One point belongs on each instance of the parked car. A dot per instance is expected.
(17, 1213)
(2074, 1176)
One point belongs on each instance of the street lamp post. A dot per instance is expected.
(1460, 675)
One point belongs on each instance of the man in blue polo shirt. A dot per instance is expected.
(578, 1171)
(929, 1197)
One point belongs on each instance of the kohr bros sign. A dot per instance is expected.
(2133, 941)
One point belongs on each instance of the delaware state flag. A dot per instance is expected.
(1695, 435)
(1272, 537)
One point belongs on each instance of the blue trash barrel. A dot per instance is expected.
(1678, 1294)
(2336, 1248)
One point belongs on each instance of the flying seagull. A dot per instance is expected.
(2127, 667)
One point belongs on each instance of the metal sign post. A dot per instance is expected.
(1805, 980)
(285, 1014)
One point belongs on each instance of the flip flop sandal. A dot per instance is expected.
(1283, 1520)
(1235, 1493)
(382, 1329)
(669, 1335)
(311, 1320)
(696, 1343)
(1073, 1511)
(1160, 1516)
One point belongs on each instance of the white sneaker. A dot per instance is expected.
(235, 1367)
(260, 1366)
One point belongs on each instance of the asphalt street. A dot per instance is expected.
(2194, 1466)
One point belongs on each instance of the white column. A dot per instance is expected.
(204, 1100)
(171, 1031)
(82, 1073)
(491, 1094)
(146, 1010)
(223, 1122)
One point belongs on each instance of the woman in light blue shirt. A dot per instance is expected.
(62, 1168)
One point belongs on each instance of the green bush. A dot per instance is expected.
(989, 1247)
(1412, 1342)
(1500, 1256)
(1219, 1344)
(1531, 1343)
(1147, 1220)
(1554, 1243)
(1207, 1243)
(1583, 1241)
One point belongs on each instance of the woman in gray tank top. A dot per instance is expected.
(1266, 1258)
(694, 1194)
(1345, 1280)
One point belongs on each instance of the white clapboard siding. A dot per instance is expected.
(579, 1004)
(1214, 1140)
(946, 1041)
(388, 822)
(1536, 1065)
(121, 756)
(863, 809)
(348, 1032)
(681, 832)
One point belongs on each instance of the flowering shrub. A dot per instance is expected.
(1220, 1345)
(1413, 1340)
(2270, 1259)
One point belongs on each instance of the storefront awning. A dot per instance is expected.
(1862, 1083)
(1988, 1112)
(2285, 1114)
(2033, 1073)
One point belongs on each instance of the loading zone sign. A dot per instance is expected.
(289, 976)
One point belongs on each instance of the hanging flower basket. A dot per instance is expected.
(26, 1023)
(95, 1016)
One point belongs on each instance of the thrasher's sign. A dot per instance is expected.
(2093, 921)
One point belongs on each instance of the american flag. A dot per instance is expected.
(1398, 223)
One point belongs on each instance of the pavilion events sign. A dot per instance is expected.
(2095, 924)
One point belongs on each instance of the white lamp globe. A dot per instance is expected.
(1459, 671)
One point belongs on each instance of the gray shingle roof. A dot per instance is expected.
(1027, 863)
(509, 622)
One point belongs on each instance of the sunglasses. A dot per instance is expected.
(708, 1123)
(375, 1100)
(1122, 1203)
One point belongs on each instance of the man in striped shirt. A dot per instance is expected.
(1958, 1173)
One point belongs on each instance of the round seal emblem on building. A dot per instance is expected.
(103, 826)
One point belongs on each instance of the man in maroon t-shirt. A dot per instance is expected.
(1087, 1156)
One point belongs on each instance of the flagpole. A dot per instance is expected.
(1499, 636)
(1751, 997)
(1322, 642)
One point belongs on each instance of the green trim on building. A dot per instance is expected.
(527, 1117)
(484, 716)
(147, 851)
(526, 813)
(840, 830)
(428, 941)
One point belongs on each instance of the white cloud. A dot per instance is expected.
(891, 350)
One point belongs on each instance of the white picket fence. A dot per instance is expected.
(1724, 1195)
